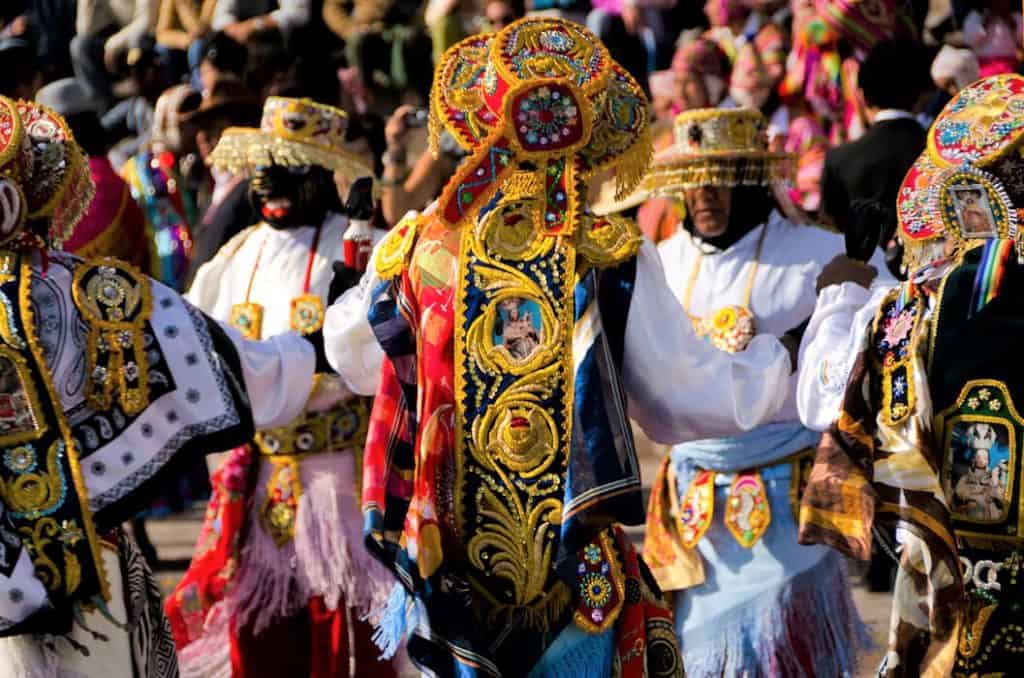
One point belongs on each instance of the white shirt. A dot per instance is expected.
(679, 387)
(783, 295)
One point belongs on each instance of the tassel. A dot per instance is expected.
(393, 621)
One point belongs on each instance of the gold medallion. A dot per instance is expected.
(307, 314)
(247, 318)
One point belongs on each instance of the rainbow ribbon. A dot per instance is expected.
(991, 271)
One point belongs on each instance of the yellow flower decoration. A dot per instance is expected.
(725, 319)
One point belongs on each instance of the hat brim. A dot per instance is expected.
(674, 172)
(606, 202)
(242, 149)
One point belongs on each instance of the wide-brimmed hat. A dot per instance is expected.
(718, 147)
(228, 97)
(973, 156)
(68, 96)
(545, 91)
(293, 132)
(40, 158)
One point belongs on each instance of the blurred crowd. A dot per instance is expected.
(148, 86)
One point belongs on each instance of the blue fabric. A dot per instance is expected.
(740, 621)
(576, 654)
(758, 447)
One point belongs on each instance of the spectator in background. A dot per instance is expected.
(106, 31)
(952, 70)
(183, 22)
(241, 19)
(20, 76)
(130, 122)
(226, 211)
(872, 167)
(52, 25)
(113, 226)
(216, 56)
(994, 33)
(702, 69)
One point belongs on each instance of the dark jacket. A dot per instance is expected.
(870, 168)
(220, 223)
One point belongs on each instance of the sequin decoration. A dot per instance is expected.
(600, 586)
(697, 509)
(983, 122)
(747, 513)
(277, 514)
(972, 205)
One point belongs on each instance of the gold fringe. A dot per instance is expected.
(670, 178)
(242, 149)
(634, 164)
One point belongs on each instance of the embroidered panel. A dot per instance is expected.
(895, 336)
(513, 318)
(981, 436)
(41, 482)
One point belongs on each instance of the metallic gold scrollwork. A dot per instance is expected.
(37, 492)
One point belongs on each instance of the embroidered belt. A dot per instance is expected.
(747, 510)
(343, 427)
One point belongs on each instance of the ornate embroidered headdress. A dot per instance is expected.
(45, 185)
(969, 183)
(544, 101)
(718, 147)
(292, 132)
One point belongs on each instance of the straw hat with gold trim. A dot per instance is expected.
(292, 132)
(718, 147)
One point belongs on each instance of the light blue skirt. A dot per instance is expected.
(776, 609)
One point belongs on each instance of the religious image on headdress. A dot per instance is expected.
(979, 471)
(518, 327)
(973, 211)
(16, 414)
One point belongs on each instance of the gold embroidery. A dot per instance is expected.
(607, 241)
(393, 251)
(71, 533)
(277, 515)
(36, 490)
(115, 302)
(747, 513)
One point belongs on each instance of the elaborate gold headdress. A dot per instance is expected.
(543, 92)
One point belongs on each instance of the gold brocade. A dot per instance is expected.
(513, 436)
(307, 313)
(393, 252)
(115, 302)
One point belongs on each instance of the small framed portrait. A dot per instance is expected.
(980, 471)
(518, 327)
(973, 211)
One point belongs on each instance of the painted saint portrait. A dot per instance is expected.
(973, 211)
(15, 407)
(518, 327)
(980, 471)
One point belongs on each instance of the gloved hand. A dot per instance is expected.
(344, 278)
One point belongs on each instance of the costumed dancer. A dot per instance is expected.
(161, 189)
(280, 579)
(927, 437)
(721, 530)
(110, 383)
(499, 462)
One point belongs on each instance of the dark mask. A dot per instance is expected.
(289, 197)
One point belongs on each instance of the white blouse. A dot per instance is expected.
(679, 387)
(783, 293)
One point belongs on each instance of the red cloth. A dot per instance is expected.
(114, 225)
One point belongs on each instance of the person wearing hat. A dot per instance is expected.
(720, 531)
(925, 439)
(223, 203)
(515, 324)
(280, 584)
(114, 225)
(109, 383)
